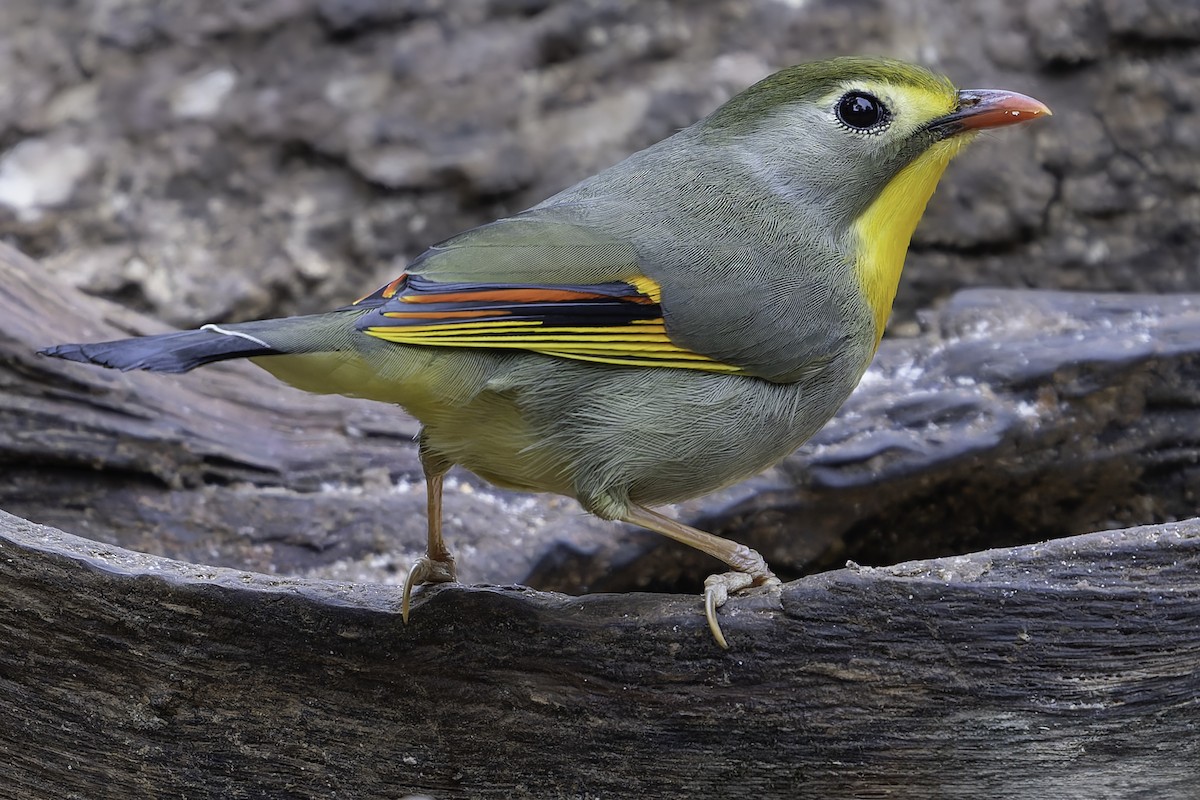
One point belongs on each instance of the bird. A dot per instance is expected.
(676, 323)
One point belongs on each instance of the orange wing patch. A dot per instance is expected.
(610, 323)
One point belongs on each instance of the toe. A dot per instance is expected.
(716, 592)
(424, 570)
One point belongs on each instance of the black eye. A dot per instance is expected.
(861, 111)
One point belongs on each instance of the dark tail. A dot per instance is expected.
(180, 352)
(170, 352)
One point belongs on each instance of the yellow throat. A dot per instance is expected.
(884, 230)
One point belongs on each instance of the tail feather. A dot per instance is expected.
(180, 352)
(169, 352)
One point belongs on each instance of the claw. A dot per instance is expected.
(424, 570)
(749, 567)
(714, 597)
(412, 579)
(716, 592)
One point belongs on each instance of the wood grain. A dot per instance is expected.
(1060, 670)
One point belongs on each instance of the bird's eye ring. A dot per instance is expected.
(860, 111)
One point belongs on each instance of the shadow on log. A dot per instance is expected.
(1067, 669)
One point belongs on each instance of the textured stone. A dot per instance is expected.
(286, 156)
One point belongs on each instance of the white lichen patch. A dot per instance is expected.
(37, 174)
(201, 96)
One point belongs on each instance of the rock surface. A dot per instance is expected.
(237, 160)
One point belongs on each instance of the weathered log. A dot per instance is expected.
(1015, 417)
(1065, 670)
(225, 466)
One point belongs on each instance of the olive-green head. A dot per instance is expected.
(844, 128)
(859, 145)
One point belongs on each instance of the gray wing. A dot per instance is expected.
(731, 291)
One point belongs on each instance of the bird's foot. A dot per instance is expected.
(717, 589)
(423, 571)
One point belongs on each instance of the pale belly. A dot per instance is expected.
(649, 436)
(535, 423)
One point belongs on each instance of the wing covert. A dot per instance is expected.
(615, 322)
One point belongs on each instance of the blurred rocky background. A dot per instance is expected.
(235, 159)
(232, 159)
(202, 160)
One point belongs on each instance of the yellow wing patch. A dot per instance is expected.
(616, 323)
